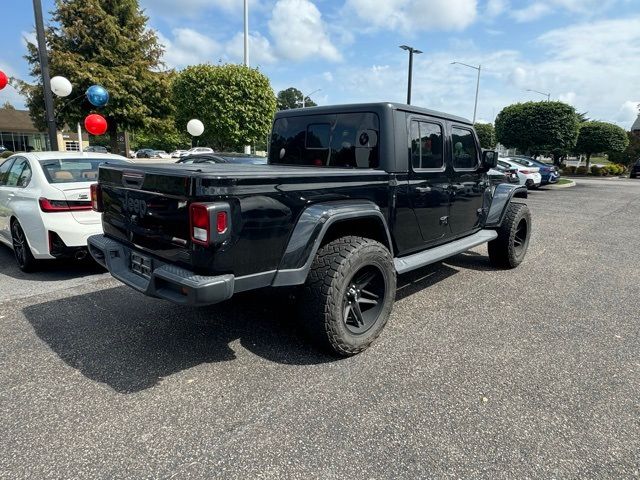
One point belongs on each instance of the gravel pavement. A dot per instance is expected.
(529, 373)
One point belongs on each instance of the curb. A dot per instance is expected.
(564, 185)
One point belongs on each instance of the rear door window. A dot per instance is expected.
(4, 171)
(427, 149)
(16, 172)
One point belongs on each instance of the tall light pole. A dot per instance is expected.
(246, 33)
(479, 69)
(309, 95)
(247, 148)
(548, 95)
(411, 51)
(46, 79)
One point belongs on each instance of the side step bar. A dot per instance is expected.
(433, 255)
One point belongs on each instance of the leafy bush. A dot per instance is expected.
(569, 170)
(606, 170)
(6, 154)
(596, 170)
(581, 170)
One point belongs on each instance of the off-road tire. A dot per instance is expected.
(21, 250)
(510, 248)
(326, 293)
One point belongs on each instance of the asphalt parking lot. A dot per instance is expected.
(480, 373)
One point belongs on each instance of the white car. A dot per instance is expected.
(162, 154)
(528, 176)
(193, 150)
(45, 204)
(177, 153)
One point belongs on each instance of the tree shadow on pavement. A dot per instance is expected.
(130, 342)
(48, 270)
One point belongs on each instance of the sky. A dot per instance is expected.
(583, 52)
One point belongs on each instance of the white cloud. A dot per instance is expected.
(628, 112)
(542, 8)
(412, 15)
(531, 13)
(195, 8)
(495, 8)
(189, 47)
(298, 32)
(327, 76)
(260, 50)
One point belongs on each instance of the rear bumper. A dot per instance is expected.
(164, 281)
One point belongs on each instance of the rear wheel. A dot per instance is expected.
(509, 249)
(21, 249)
(349, 294)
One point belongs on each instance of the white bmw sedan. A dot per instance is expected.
(45, 204)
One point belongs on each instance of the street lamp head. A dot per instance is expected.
(417, 51)
(405, 47)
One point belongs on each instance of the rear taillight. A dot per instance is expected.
(96, 197)
(210, 223)
(222, 220)
(200, 223)
(50, 206)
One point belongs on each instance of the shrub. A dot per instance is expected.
(622, 168)
(6, 154)
(582, 170)
(606, 170)
(569, 170)
(597, 171)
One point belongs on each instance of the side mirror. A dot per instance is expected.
(489, 159)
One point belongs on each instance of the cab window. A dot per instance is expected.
(465, 152)
(337, 140)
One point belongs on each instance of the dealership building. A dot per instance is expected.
(18, 134)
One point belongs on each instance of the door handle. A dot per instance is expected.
(423, 189)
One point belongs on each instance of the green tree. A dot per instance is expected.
(597, 137)
(7, 106)
(630, 154)
(538, 128)
(292, 98)
(161, 135)
(235, 103)
(486, 135)
(104, 42)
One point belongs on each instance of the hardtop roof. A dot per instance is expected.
(377, 107)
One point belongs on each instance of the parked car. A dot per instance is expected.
(146, 153)
(177, 153)
(3, 148)
(635, 170)
(45, 204)
(96, 149)
(161, 154)
(529, 176)
(193, 150)
(224, 157)
(500, 174)
(342, 207)
(548, 173)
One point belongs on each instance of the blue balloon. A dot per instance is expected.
(97, 95)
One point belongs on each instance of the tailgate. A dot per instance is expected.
(148, 209)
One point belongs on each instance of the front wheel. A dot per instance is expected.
(21, 248)
(509, 249)
(349, 294)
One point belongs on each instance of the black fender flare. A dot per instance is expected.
(502, 195)
(310, 230)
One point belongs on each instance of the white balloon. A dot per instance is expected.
(195, 127)
(61, 86)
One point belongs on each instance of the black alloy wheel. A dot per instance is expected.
(21, 249)
(363, 299)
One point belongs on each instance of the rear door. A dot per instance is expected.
(5, 213)
(428, 179)
(467, 181)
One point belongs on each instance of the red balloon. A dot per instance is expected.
(4, 80)
(95, 124)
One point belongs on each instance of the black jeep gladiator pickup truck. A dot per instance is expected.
(352, 195)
